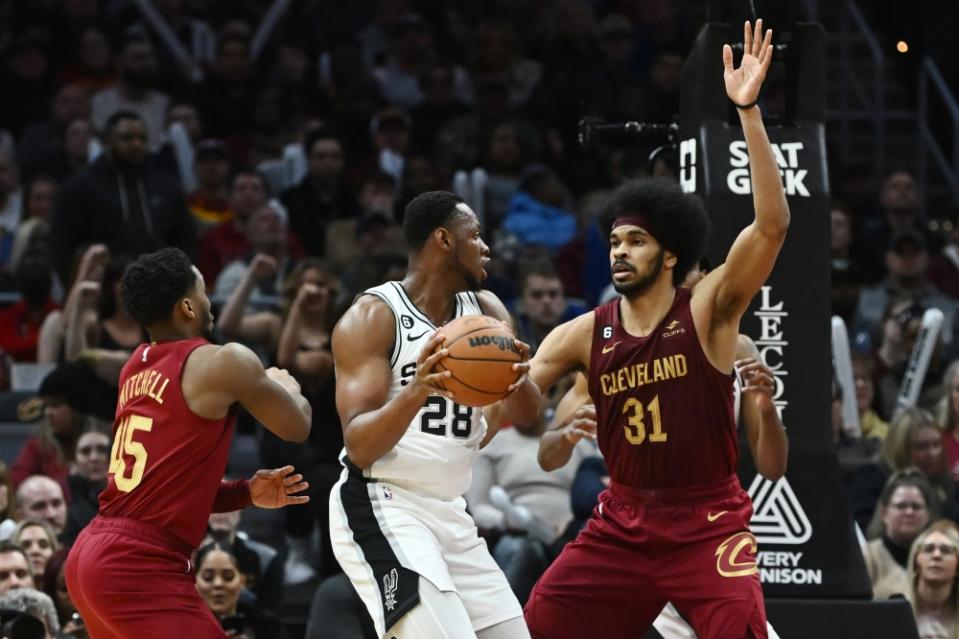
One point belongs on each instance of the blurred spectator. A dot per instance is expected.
(186, 114)
(540, 503)
(856, 456)
(943, 270)
(438, 107)
(39, 194)
(583, 263)
(906, 259)
(7, 523)
(209, 203)
(542, 305)
(75, 150)
(135, 91)
(321, 196)
(662, 86)
(618, 91)
(14, 567)
(870, 423)
(11, 202)
(390, 132)
(65, 394)
(87, 479)
(371, 233)
(228, 241)
(26, 75)
(305, 350)
(537, 213)
(220, 580)
(55, 587)
(505, 155)
(337, 612)
(41, 497)
(260, 274)
(227, 94)
(261, 565)
(496, 51)
(948, 413)
(375, 38)
(41, 144)
(39, 541)
(293, 78)
(121, 201)
(91, 68)
(933, 581)
(419, 176)
(847, 271)
(899, 205)
(906, 506)
(34, 603)
(410, 53)
(193, 35)
(900, 327)
(20, 323)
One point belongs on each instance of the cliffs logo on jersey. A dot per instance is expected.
(503, 343)
(674, 328)
(660, 369)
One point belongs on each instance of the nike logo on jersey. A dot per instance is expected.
(711, 517)
(145, 351)
(411, 338)
(609, 349)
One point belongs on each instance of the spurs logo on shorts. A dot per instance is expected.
(736, 556)
(391, 582)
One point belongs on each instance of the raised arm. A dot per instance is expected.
(730, 288)
(233, 322)
(216, 377)
(522, 406)
(764, 429)
(314, 364)
(372, 422)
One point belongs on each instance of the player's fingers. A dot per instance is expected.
(515, 385)
(292, 500)
(292, 479)
(582, 432)
(297, 488)
(766, 55)
(431, 345)
(728, 58)
(430, 361)
(758, 37)
(523, 347)
(747, 37)
(587, 411)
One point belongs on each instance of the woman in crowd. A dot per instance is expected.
(933, 588)
(55, 586)
(220, 582)
(949, 417)
(87, 479)
(38, 540)
(7, 524)
(906, 507)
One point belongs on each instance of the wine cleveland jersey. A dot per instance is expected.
(664, 412)
(167, 461)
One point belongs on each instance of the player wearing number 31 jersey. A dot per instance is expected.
(673, 525)
(129, 571)
(398, 521)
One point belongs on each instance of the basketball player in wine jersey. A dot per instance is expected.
(673, 525)
(129, 571)
(398, 520)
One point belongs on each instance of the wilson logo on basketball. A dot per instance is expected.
(736, 557)
(674, 328)
(503, 343)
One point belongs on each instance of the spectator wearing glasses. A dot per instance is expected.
(932, 585)
(906, 506)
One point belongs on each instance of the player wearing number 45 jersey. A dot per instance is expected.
(398, 522)
(129, 571)
(673, 525)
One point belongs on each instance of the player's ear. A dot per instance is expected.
(443, 239)
(187, 307)
(669, 259)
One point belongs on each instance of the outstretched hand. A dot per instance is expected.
(275, 488)
(742, 84)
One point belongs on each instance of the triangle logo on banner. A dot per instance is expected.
(778, 517)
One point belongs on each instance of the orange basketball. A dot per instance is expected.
(482, 351)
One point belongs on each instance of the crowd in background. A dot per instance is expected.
(279, 151)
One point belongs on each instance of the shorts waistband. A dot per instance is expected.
(677, 496)
(140, 530)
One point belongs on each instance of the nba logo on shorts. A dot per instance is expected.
(387, 493)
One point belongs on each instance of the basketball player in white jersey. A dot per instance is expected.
(398, 522)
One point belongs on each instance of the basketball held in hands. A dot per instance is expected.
(482, 351)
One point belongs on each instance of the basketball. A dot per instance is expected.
(482, 351)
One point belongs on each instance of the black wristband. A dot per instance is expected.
(743, 107)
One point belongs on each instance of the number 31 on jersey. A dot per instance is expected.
(124, 445)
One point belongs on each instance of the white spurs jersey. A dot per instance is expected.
(435, 456)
